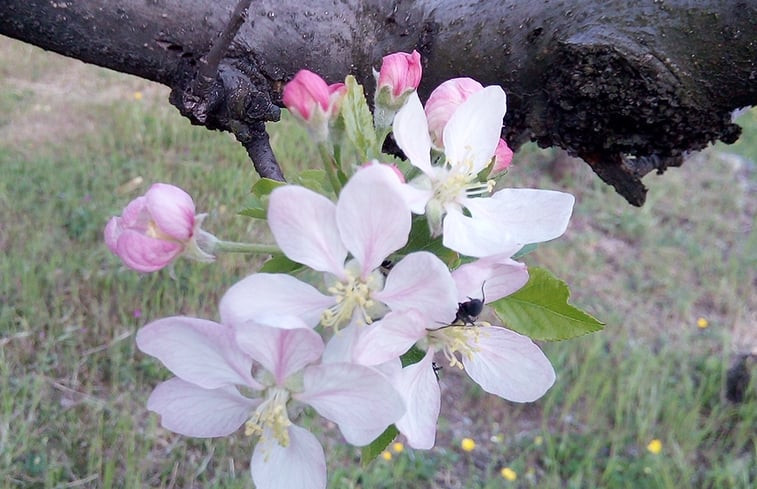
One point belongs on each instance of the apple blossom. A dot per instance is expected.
(502, 362)
(370, 221)
(503, 156)
(314, 102)
(156, 228)
(509, 217)
(400, 74)
(210, 360)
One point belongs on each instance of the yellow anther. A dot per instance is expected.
(271, 414)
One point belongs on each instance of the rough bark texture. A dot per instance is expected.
(629, 86)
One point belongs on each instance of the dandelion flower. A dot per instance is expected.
(386, 455)
(508, 474)
(467, 444)
(654, 446)
(398, 447)
(702, 323)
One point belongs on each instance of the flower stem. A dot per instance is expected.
(257, 248)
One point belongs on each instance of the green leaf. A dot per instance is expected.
(264, 187)
(525, 250)
(280, 264)
(374, 449)
(256, 209)
(540, 310)
(413, 355)
(315, 180)
(358, 121)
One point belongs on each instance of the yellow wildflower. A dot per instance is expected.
(386, 455)
(654, 446)
(702, 323)
(398, 447)
(508, 474)
(468, 444)
(138, 95)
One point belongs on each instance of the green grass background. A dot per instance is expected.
(77, 143)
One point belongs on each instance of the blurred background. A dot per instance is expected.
(660, 399)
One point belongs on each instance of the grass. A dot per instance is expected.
(76, 145)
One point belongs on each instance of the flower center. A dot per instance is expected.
(271, 414)
(457, 181)
(453, 339)
(353, 298)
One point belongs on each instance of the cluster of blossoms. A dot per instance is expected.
(359, 345)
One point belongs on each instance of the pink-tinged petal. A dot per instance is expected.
(390, 337)
(499, 276)
(503, 157)
(146, 254)
(472, 134)
(525, 215)
(304, 226)
(190, 410)
(416, 198)
(400, 72)
(135, 215)
(421, 281)
(339, 347)
(197, 351)
(172, 209)
(443, 102)
(299, 465)
(420, 389)
(353, 396)
(372, 217)
(262, 295)
(281, 351)
(111, 233)
(508, 365)
(411, 133)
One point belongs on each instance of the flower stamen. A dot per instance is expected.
(271, 414)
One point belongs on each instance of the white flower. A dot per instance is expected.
(509, 217)
(369, 222)
(210, 360)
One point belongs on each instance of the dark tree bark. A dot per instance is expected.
(629, 86)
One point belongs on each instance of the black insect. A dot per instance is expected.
(468, 311)
(436, 367)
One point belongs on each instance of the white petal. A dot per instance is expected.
(415, 197)
(198, 351)
(272, 294)
(281, 351)
(411, 134)
(420, 389)
(525, 215)
(390, 337)
(190, 410)
(353, 396)
(509, 365)
(304, 226)
(300, 465)
(498, 276)
(475, 237)
(423, 282)
(473, 132)
(339, 347)
(372, 216)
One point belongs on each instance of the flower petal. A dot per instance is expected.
(146, 254)
(197, 351)
(421, 281)
(411, 133)
(262, 296)
(390, 337)
(508, 365)
(304, 226)
(372, 216)
(351, 395)
(525, 215)
(472, 134)
(498, 276)
(420, 389)
(299, 465)
(339, 347)
(190, 410)
(172, 209)
(281, 351)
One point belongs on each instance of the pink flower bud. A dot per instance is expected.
(309, 98)
(400, 73)
(442, 103)
(503, 156)
(154, 229)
